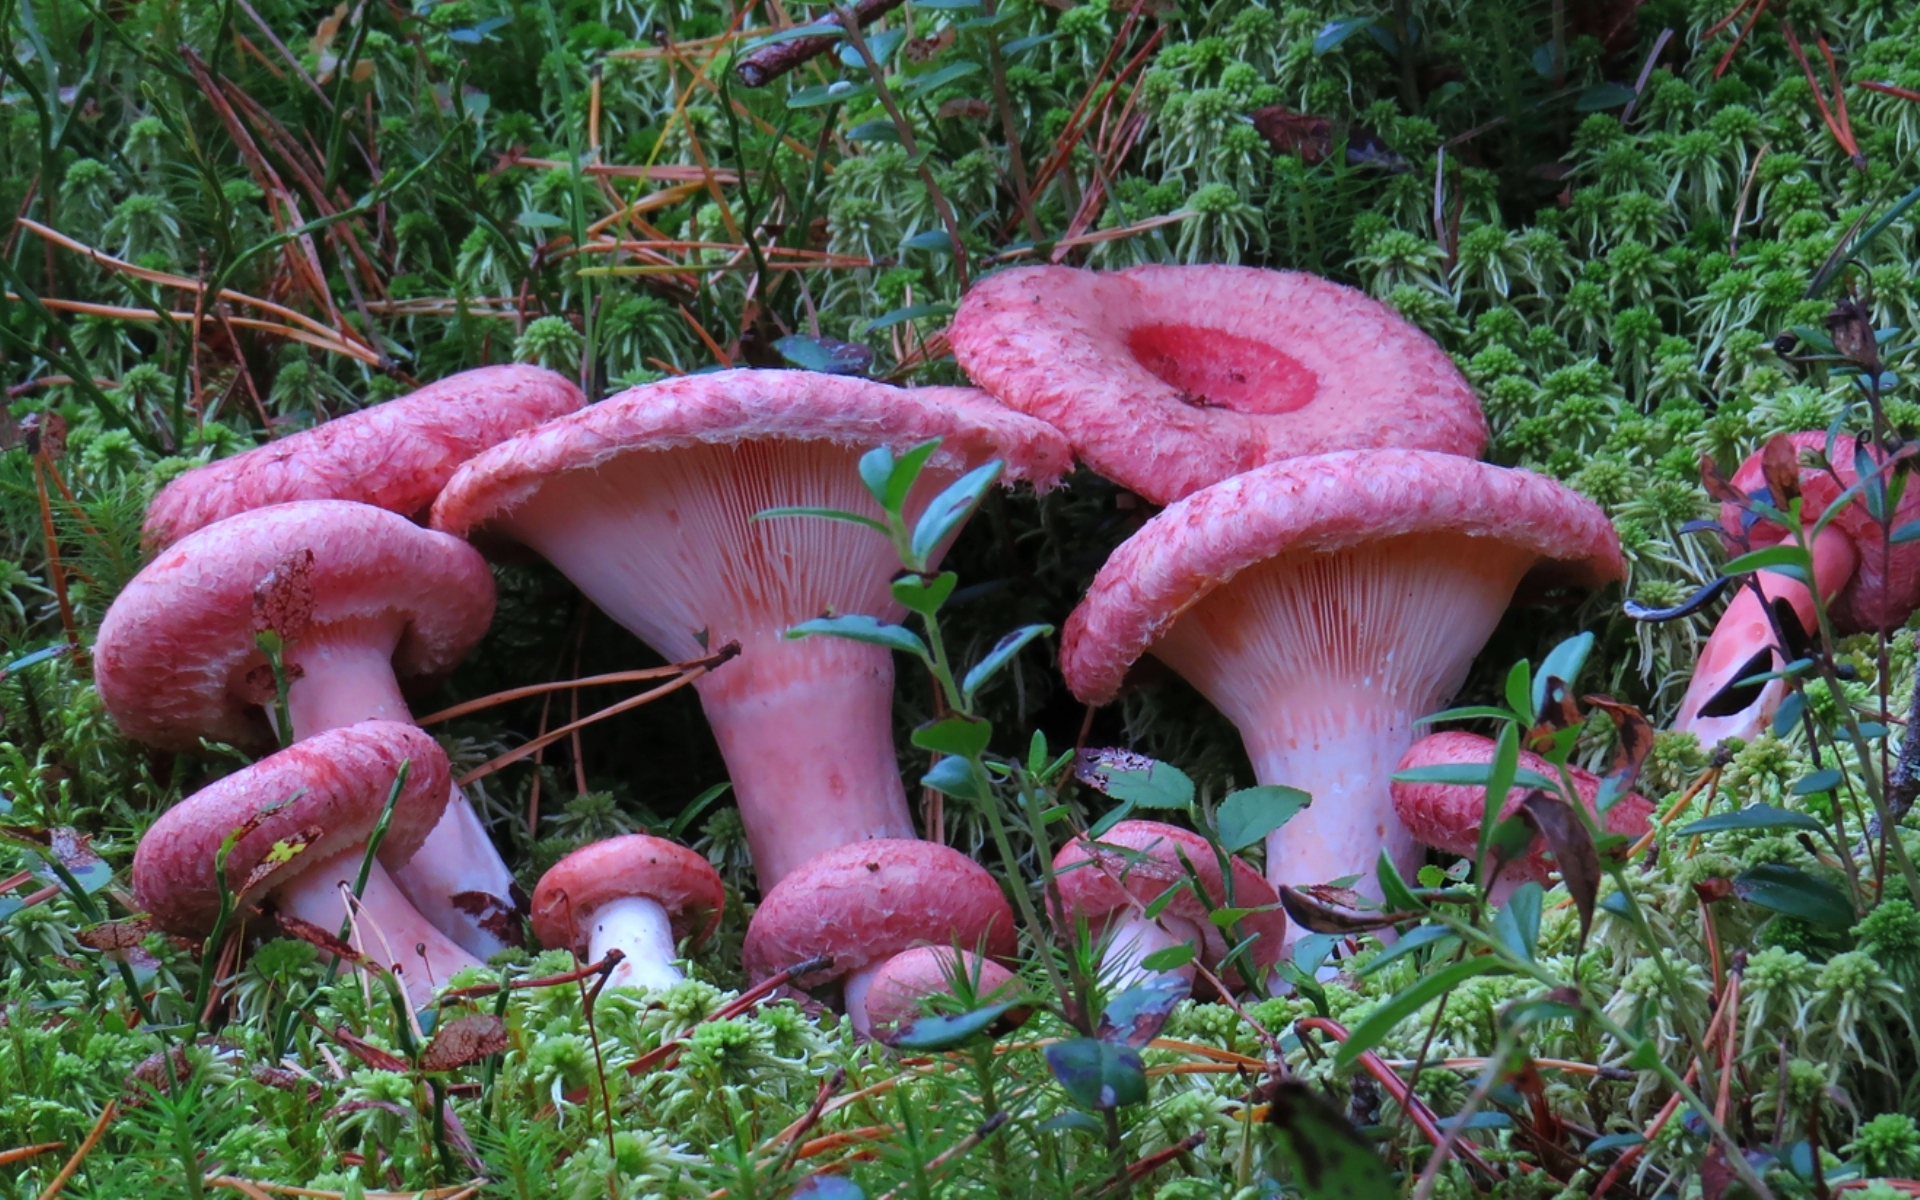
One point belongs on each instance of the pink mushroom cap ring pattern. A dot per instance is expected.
(1170, 378)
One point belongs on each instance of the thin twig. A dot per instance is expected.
(93, 1139)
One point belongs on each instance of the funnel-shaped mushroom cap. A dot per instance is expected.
(1131, 865)
(635, 866)
(176, 659)
(324, 795)
(903, 982)
(647, 502)
(866, 902)
(1170, 378)
(1447, 816)
(396, 455)
(1323, 605)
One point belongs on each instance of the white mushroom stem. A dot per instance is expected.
(1132, 940)
(640, 929)
(854, 991)
(1324, 661)
(342, 675)
(389, 930)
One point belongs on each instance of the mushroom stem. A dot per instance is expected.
(1742, 645)
(1324, 661)
(806, 729)
(424, 957)
(1134, 939)
(343, 675)
(639, 929)
(855, 990)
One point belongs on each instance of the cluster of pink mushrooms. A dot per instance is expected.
(1329, 560)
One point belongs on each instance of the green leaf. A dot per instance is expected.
(1326, 1156)
(1473, 775)
(1169, 959)
(862, 628)
(1757, 816)
(1159, 786)
(912, 312)
(1002, 653)
(876, 471)
(840, 91)
(950, 509)
(1789, 713)
(825, 1186)
(1394, 892)
(1099, 1075)
(1772, 558)
(1335, 32)
(1502, 773)
(905, 474)
(1602, 96)
(1517, 924)
(1520, 690)
(938, 78)
(1906, 533)
(1819, 781)
(1470, 712)
(696, 806)
(1563, 663)
(1790, 890)
(1247, 816)
(825, 355)
(954, 734)
(1408, 1001)
(1417, 938)
(955, 777)
(825, 514)
(922, 595)
(945, 1033)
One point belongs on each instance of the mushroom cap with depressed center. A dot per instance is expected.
(1325, 503)
(865, 902)
(724, 407)
(176, 659)
(1169, 378)
(679, 880)
(396, 455)
(326, 793)
(1447, 816)
(909, 977)
(1131, 865)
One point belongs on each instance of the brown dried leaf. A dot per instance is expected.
(1317, 915)
(964, 108)
(464, 1040)
(44, 432)
(922, 49)
(1635, 736)
(1780, 462)
(314, 935)
(282, 852)
(1297, 133)
(368, 1053)
(116, 935)
(1851, 327)
(1716, 484)
(1573, 850)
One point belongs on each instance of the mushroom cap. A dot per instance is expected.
(1096, 880)
(867, 901)
(1324, 503)
(667, 873)
(330, 791)
(1883, 592)
(724, 407)
(1446, 816)
(903, 981)
(1170, 378)
(176, 659)
(396, 455)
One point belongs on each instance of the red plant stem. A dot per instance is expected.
(1890, 90)
(1726, 60)
(1415, 1108)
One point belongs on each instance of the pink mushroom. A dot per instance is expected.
(1447, 816)
(647, 500)
(901, 987)
(864, 902)
(396, 455)
(1167, 379)
(323, 797)
(1109, 882)
(363, 599)
(1324, 605)
(1867, 585)
(638, 894)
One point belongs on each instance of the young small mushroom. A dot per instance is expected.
(1108, 883)
(864, 902)
(362, 599)
(638, 894)
(647, 502)
(1169, 378)
(898, 993)
(396, 455)
(1447, 816)
(1867, 583)
(322, 799)
(1324, 605)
